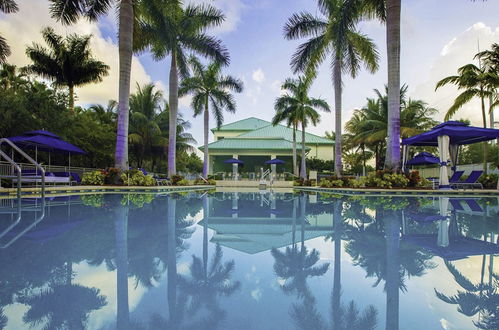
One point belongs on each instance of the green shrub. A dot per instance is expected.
(137, 200)
(175, 179)
(93, 200)
(137, 178)
(182, 182)
(94, 178)
(489, 181)
(325, 183)
(298, 182)
(201, 182)
(383, 179)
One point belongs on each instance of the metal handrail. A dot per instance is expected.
(29, 159)
(18, 169)
(40, 218)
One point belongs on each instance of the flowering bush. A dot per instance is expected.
(182, 182)
(113, 176)
(94, 178)
(175, 179)
(325, 183)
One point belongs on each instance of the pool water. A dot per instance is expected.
(257, 260)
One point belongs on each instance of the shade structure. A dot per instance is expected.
(459, 134)
(234, 161)
(275, 161)
(448, 136)
(45, 141)
(423, 158)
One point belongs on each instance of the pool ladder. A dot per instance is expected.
(17, 168)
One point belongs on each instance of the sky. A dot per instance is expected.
(437, 37)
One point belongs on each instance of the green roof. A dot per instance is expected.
(286, 133)
(245, 143)
(247, 124)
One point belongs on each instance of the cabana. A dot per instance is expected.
(41, 140)
(448, 137)
(235, 164)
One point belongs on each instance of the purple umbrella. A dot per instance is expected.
(234, 161)
(275, 161)
(45, 141)
(423, 158)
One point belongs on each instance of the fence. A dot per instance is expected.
(6, 168)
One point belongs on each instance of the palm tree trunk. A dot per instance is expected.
(121, 237)
(485, 144)
(392, 232)
(125, 55)
(336, 294)
(173, 102)
(206, 130)
(295, 162)
(338, 166)
(71, 99)
(303, 171)
(172, 262)
(392, 160)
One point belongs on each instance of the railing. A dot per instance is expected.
(18, 168)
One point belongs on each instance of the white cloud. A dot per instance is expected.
(258, 75)
(459, 51)
(23, 28)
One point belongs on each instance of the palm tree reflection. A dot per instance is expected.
(481, 298)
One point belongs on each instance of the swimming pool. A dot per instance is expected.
(256, 260)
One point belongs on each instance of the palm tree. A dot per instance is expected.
(300, 107)
(291, 118)
(7, 7)
(490, 61)
(67, 62)
(209, 86)
(475, 82)
(105, 114)
(144, 129)
(168, 29)
(68, 12)
(336, 32)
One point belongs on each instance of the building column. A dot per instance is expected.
(235, 168)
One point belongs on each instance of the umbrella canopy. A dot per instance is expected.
(45, 141)
(423, 158)
(275, 161)
(459, 134)
(234, 161)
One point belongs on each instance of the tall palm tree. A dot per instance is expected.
(490, 61)
(291, 118)
(298, 105)
(67, 62)
(335, 34)
(68, 12)
(210, 87)
(168, 29)
(6, 7)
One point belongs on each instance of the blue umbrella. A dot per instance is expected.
(275, 161)
(234, 161)
(423, 158)
(45, 141)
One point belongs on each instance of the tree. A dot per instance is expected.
(335, 33)
(67, 62)
(144, 129)
(68, 12)
(7, 7)
(299, 106)
(475, 81)
(167, 29)
(210, 87)
(490, 61)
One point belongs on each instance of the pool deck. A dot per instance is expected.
(401, 192)
(69, 190)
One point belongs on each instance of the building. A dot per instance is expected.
(255, 141)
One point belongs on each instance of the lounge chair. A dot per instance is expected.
(455, 177)
(471, 181)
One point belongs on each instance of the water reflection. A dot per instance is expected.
(174, 270)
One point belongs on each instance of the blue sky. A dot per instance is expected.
(437, 37)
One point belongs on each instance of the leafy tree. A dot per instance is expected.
(297, 104)
(7, 7)
(67, 62)
(334, 33)
(68, 12)
(210, 87)
(166, 28)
